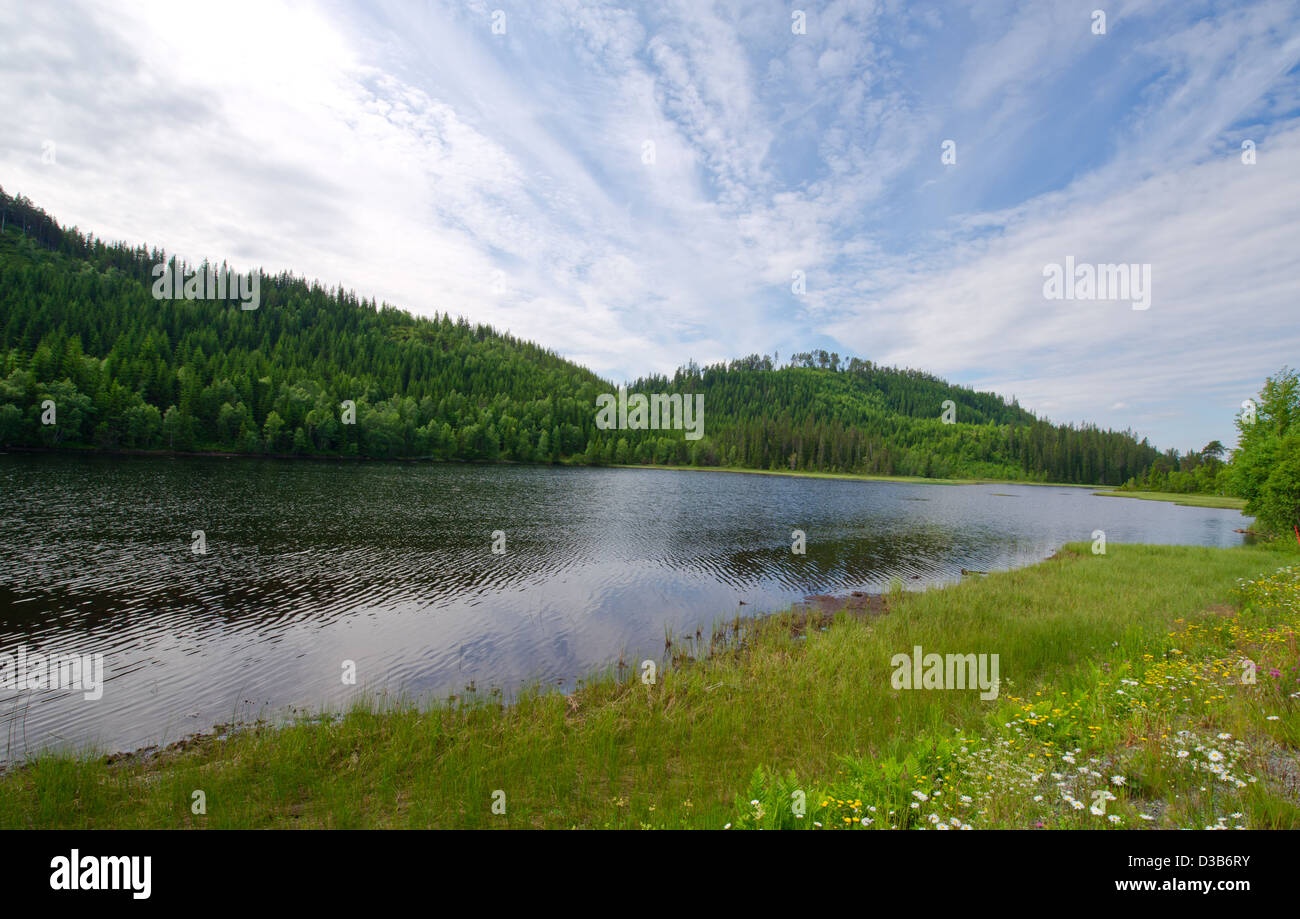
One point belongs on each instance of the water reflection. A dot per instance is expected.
(309, 564)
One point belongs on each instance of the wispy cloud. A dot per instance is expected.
(413, 153)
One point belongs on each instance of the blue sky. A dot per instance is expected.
(408, 151)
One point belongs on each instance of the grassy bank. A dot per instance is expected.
(1186, 500)
(1103, 659)
(805, 474)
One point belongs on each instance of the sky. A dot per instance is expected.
(636, 186)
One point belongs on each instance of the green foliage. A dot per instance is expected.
(82, 327)
(1266, 464)
(858, 417)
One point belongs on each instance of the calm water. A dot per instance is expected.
(309, 564)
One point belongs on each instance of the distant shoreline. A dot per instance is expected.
(228, 454)
(860, 477)
(1106, 491)
(1224, 502)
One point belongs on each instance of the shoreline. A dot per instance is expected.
(856, 477)
(783, 691)
(1181, 499)
(226, 454)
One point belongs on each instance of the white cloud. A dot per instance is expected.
(410, 154)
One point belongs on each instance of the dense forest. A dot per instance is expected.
(91, 359)
(1203, 471)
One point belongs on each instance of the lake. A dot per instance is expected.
(391, 566)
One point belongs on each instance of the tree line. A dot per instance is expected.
(318, 371)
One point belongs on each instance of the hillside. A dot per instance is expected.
(81, 327)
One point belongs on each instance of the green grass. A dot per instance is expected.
(808, 698)
(1186, 500)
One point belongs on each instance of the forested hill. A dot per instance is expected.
(80, 327)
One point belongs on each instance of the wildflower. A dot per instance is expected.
(1117, 780)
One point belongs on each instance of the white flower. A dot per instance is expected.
(1038, 797)
(1214, 756)
(866, 821)
(1113, 818)
(1271, 718)
(1117, 780)
(920, 796)
(727, 827)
